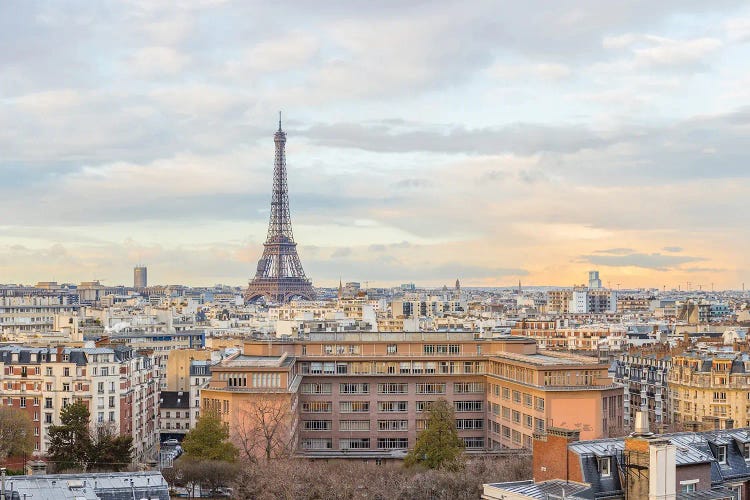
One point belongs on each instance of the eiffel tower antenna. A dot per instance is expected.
(279, 276)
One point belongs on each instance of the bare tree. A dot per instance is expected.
(16, 433)
(300, 479)
(263, 428)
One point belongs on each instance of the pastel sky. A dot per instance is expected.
(427, 140)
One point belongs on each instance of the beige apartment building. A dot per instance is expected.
(710, 390)
(367, 394)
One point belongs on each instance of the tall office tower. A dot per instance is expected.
(279, 276)
(140, 278)
(594, 281)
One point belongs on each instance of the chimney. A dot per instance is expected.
(551, 457)
(638, 458)
(641, 424)
(662, 470)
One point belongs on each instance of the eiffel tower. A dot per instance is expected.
(279, 277)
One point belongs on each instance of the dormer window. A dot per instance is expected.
(605, 466)
(746, 451)
(721, 454)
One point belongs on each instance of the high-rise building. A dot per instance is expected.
(279, 276)
(594, 281)
(140, 278)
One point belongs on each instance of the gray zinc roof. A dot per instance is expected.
(100, 486)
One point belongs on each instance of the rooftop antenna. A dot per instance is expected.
(279, 121)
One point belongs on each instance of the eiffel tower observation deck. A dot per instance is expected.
(279, 276)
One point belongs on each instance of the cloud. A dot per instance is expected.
(672, 249)
(654, 52)
(538, 71)
(616, 251)
(653, 261)
(738, 30)
(519, 138)
(157, 61)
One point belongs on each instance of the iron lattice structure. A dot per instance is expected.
(279, 277)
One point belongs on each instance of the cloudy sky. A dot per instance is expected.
(490, 141)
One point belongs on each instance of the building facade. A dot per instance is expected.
(115, 385)
(645, 378)
(372, 391)
(710, 390)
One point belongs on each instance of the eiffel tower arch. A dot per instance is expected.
(279, 276)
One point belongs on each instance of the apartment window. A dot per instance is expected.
(527, 399)
(720, 396)
(111, 401)
(100, 388)
(516, 437)
(317, 444)
(66, 372)
(604, 466)
(539, 425)
(506, 393)
(392, 348)
(688, 486)
(393, 388)
(354, 425)
(264, 380)
(516, 397)
(312, 388)
(473, 442)
(169, 414)
(111, 416)
(36, 401)
(463, 424)
(354, 443)
(423, 406)
(316, 425)
(468, 387)
(48, 371)
(362, 388)
(430, 388)
(36, 416)
(516, 417)
(420, 424)
(463, 406)
(47, 418)
(100, 417)
(393, 406)
(66, 387)
(539, 403)
(506, 413)
(23, 402)
(354, 406)
(393, 425)
(317, 407)
(392, 443)
(721, 454)
(506, 432)
(528, 421)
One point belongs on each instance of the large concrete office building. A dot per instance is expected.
(346, 394)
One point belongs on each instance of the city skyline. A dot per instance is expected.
(492, 144)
